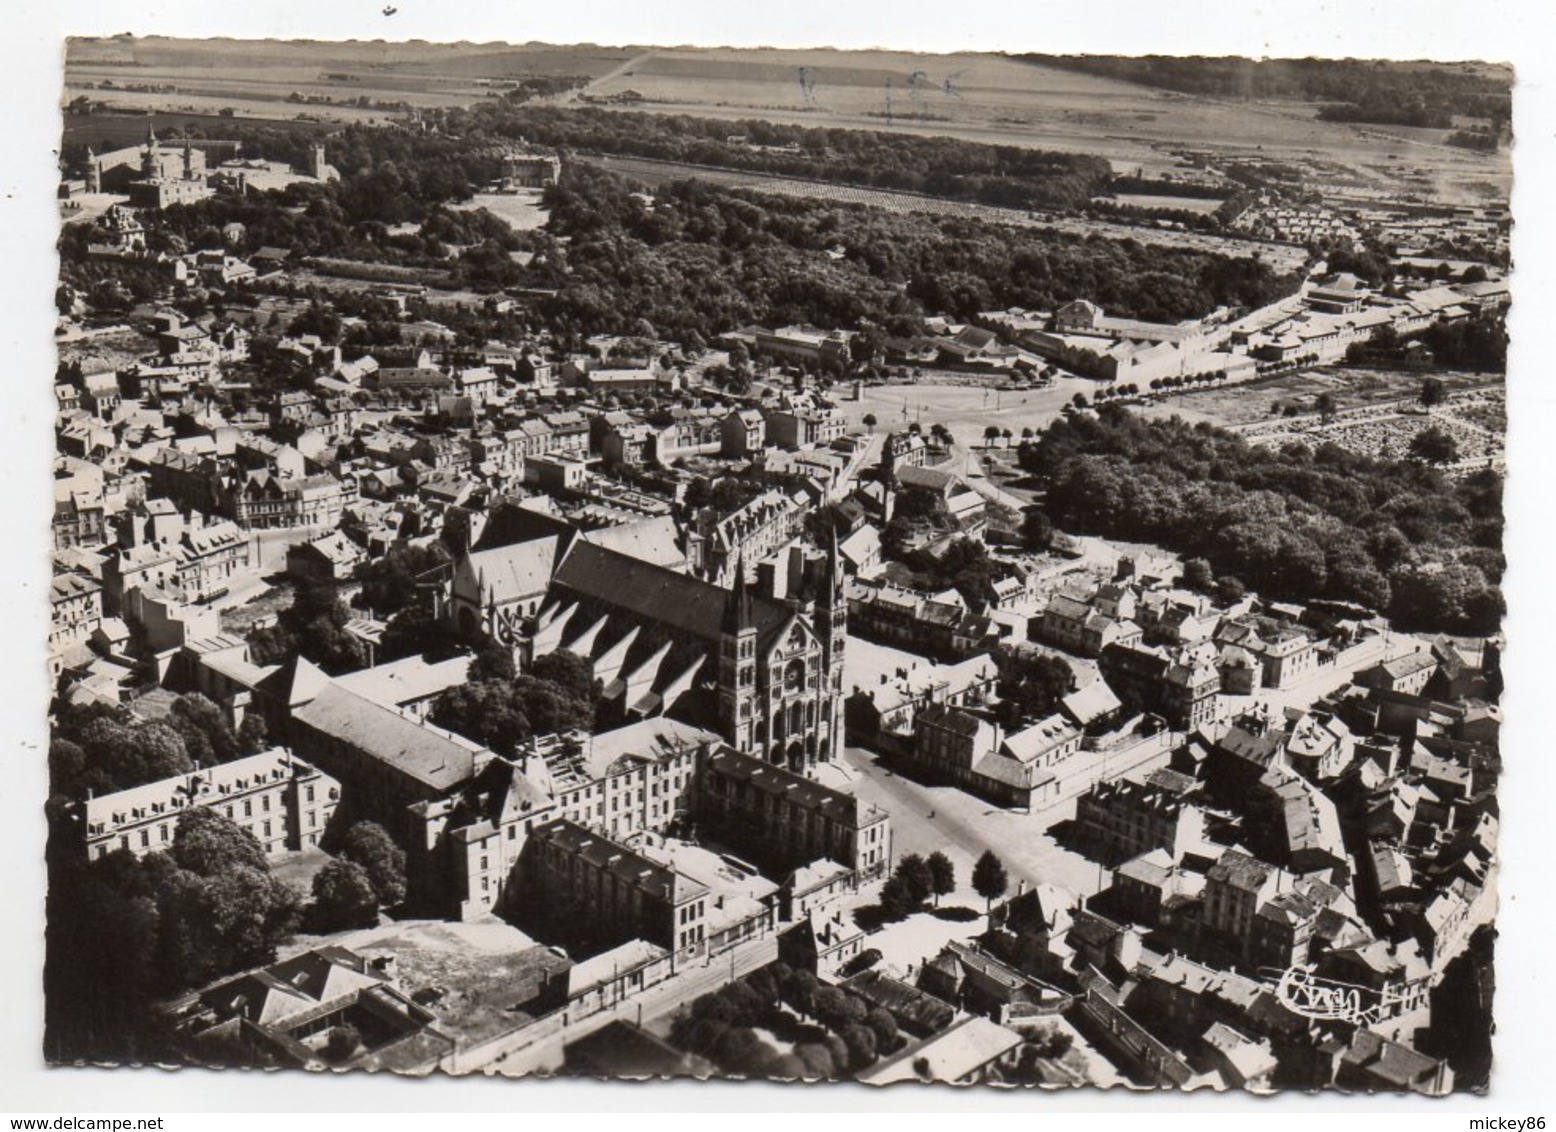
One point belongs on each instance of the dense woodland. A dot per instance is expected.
(709, 259)
(1352, 90)
(1398, 537)
(696, 258)
(1011, 176)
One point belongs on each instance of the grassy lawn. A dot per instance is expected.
(298, 869)
(521, 210)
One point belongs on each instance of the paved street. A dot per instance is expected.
(1330, 677)
(529, 1052)
(928, 818)
(963, 826)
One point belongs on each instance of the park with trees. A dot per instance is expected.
(784, 1023)
(125, 932)
(1399, 537)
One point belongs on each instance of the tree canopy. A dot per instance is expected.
(1292, 523)
(123, 931)
(102, 748)
(557, 695)
(989, 879)
(709, 259)
(314, 626)
(343, 897)
(369, 846)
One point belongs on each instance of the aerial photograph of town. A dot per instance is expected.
(769, 564)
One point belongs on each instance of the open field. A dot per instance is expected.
(259, 84)
(977, 97)
(107, 130)
(468, 59)
(254, 79)
(258, 106)
(521, 210)
(993, 99)
(1251, 403)
(965, 409)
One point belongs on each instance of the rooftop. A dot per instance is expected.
(434, 758)
(630, 868)
(271, 995)
(655, 593)
(106, 812)
(407, 680)
(1240, 871)
(959, 1052)
(774, 780)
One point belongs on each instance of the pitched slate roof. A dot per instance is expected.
(408, 679)
(434, 758)
(653, 539)
(517, 571)
(964, 1049)
(1240, 871)
(630, 868)
(270, 996)
(1091, 702)
(844, 809)
(654, 593)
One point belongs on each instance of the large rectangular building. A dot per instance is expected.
(1182, 685)
(783, 820)
(1120, 820)
(284, 802)
(600, 893)
(387, 760)
(635, 779)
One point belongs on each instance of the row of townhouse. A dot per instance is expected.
(923, 623)
(1022, 768)
(191, 561)
(255, 498)
(754, 532)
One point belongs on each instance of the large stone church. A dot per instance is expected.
(763, 671)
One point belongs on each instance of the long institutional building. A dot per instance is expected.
(284, 802)
(715, 702)
(483, 832)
